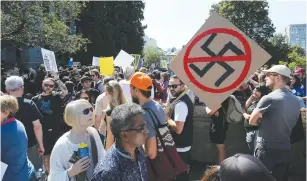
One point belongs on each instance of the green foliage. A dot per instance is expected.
(296, 58)
(112, 26)
(152, 55)
(42, 24)
(251, 17)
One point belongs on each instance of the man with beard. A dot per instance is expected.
(140, 89)
(49, 103)
(279, 112)
(181, 122)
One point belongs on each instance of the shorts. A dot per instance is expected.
(218, 129)
(49, 140)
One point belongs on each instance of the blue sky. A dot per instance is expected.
(174, 22)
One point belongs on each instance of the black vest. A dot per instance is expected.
(185, 139)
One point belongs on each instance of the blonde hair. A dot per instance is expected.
(116, 92)
(73, 110)
(9, 103)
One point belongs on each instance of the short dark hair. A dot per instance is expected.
(176, 77)
(123, 117)
(107, 79)
(96, 72)
(146, 94)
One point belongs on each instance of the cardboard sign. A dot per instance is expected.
(123, 59)
(95, 61)
(49, 60)
(106, 66)
(217, 60)
(136, 61)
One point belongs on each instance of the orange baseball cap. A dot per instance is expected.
(141, 81)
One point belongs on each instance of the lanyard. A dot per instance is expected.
(8, 121)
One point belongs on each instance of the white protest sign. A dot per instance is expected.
(95, 61)
(49, 60)
(123, 59)
(3, 169)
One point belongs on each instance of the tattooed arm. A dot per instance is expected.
(63, 88)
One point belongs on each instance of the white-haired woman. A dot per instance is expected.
(116, 97)
(79, 115)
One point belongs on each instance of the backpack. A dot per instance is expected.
(234, 112)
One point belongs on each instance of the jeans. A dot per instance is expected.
(277, 161)
(251, 136)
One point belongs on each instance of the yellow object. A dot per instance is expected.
(136, 60)
(82, 145)
(106, 66)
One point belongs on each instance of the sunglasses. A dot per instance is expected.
(87, 110)
(86, 98)
(139, 129)
(174, 86)
(92, 75)
(49, 85)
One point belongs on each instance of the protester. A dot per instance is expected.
(101, 105)
(140, 87)
(98, 85)
(125, 84)
(86, 84)
(83, 94)
(279, 112)
(296, 86)
(126, 159)
(49, 103)
(116, 98)
(181, 122)
(250, 105)
(14, 143)
(78, 115)
(164, 84)
(15, 87)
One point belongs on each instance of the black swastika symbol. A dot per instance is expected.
(229, 69)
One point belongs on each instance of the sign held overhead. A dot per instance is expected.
(49, 60)
(217, 60)
(123, 59)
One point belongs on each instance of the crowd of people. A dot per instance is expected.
(133, 119)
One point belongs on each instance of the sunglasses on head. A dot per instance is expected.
(173, 86)
(49, 85)
(87, 110)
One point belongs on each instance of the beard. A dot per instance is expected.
(135, 100)
(47, 91)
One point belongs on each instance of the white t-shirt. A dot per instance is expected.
(180, 114)
(126, 90)
(63, 150)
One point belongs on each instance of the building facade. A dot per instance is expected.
(296, 35)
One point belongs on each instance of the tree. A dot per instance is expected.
(296, 58)
(41, 24)
(251, 17)
(152, 56)
(112, 26)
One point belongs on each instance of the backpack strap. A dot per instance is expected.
(94, 148)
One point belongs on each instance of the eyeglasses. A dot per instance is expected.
(49, 85)
(139, 129)
(87, 110)
(174, 86)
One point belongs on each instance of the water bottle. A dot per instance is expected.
(83, 150)
(39, 173)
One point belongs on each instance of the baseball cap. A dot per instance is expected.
(85, 78)
(141, 81)
(13, 82)
(242, 167)
(280, 69)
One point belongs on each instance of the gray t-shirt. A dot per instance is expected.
(280, 112)
(159, 112)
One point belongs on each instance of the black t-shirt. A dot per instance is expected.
(27, 113)
(50, 108)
